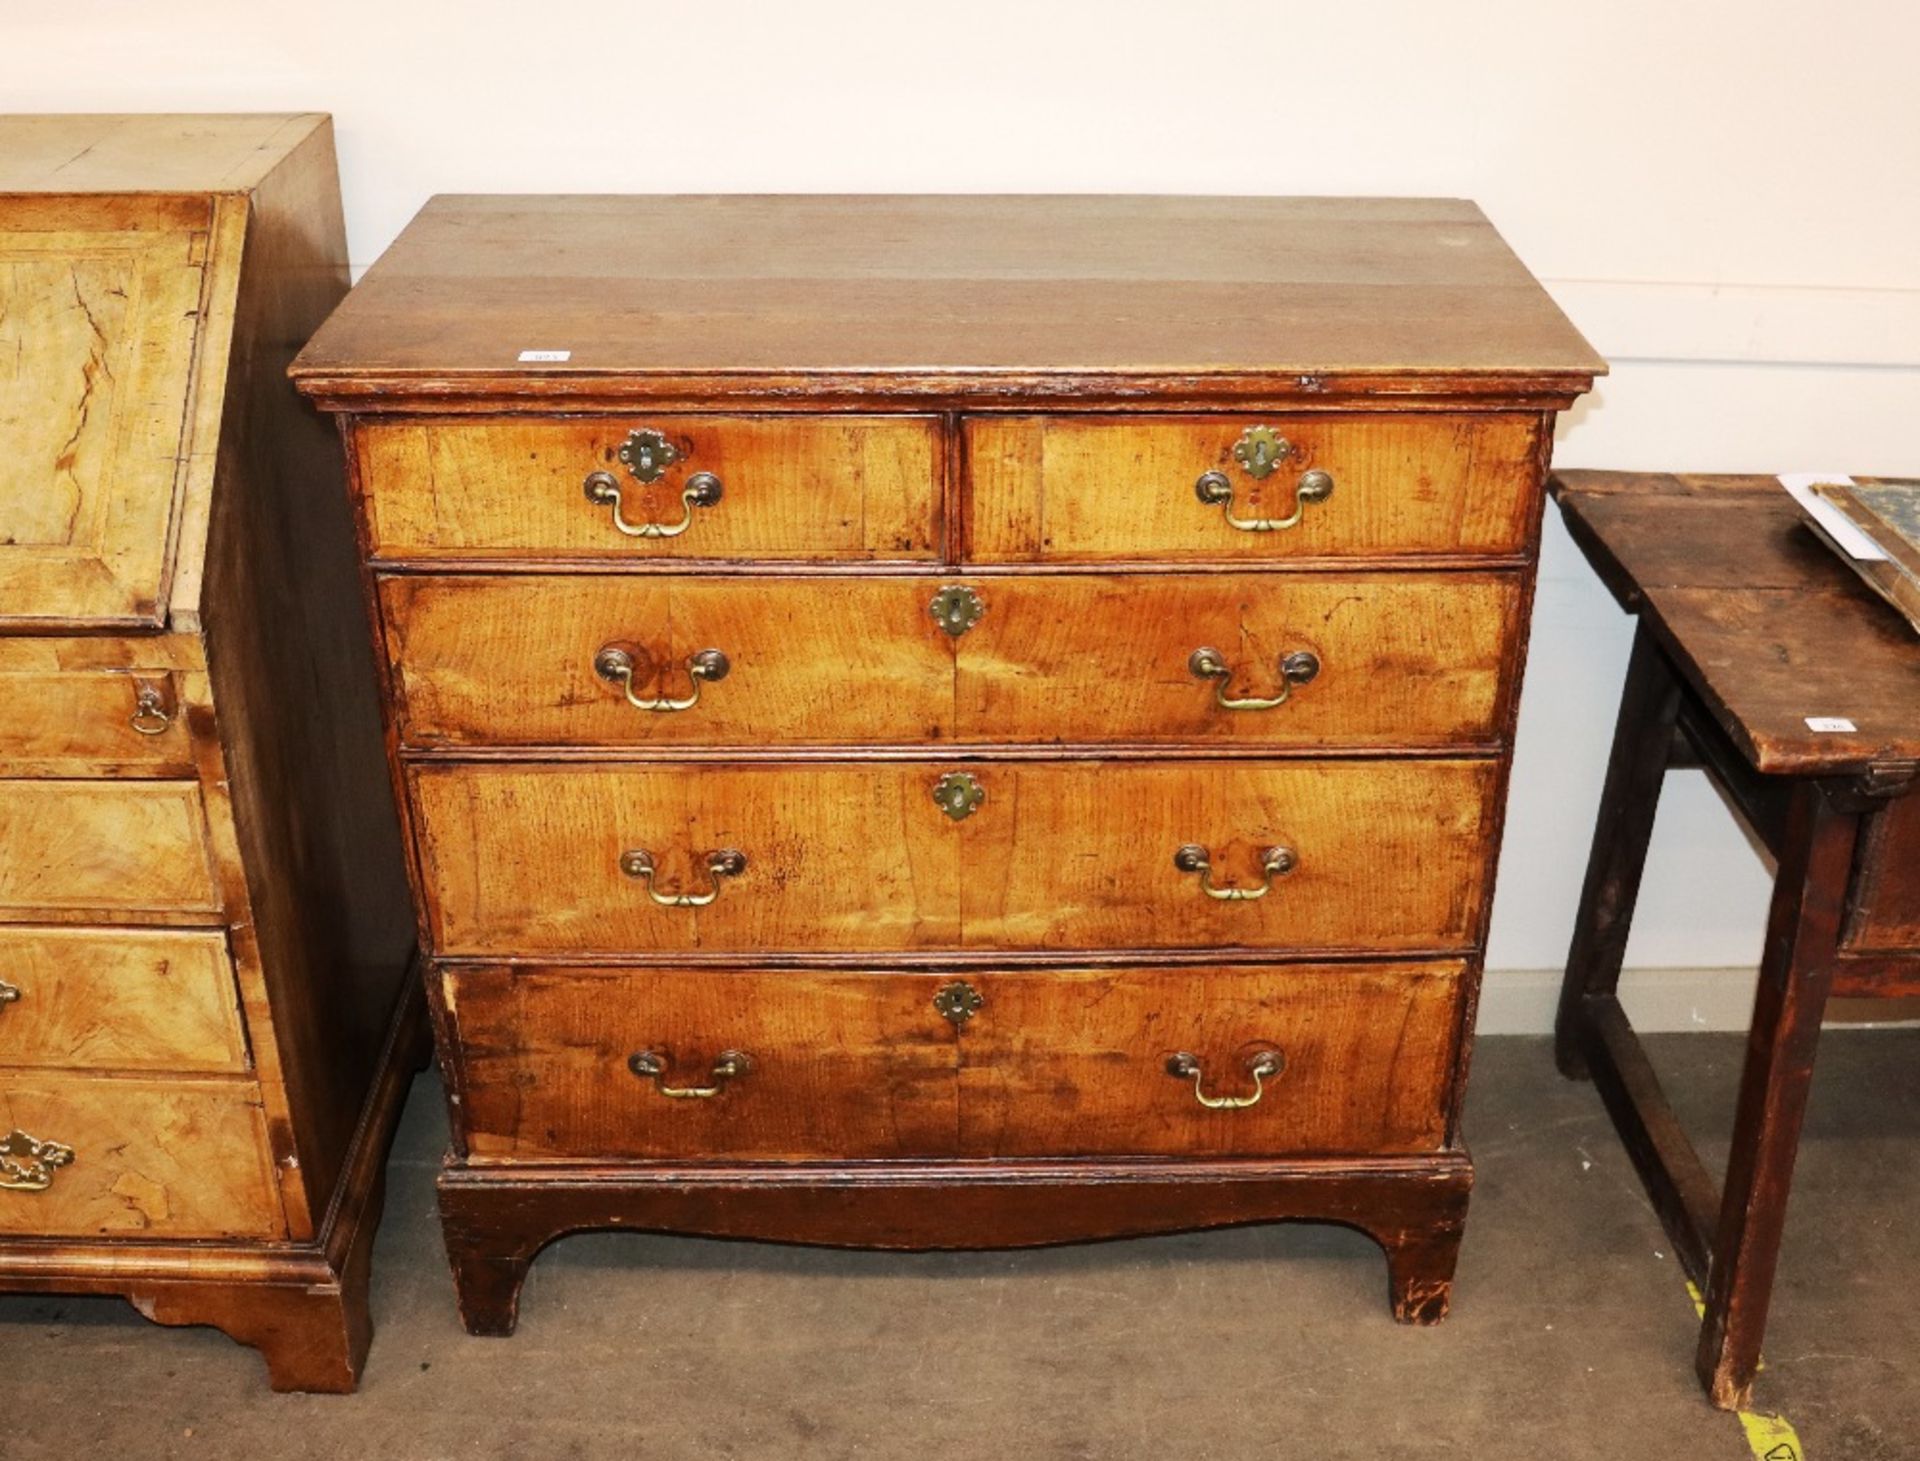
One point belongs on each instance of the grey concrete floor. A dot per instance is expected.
(1571, 1336)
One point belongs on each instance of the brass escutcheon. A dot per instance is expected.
(956, 609)
(1298, 668)
(958, 795)
(27, 1164)
(647, 454)
(1260, 451)
(957, 1002)
(1262, 1066)
(653, 1065)
(1275, 862)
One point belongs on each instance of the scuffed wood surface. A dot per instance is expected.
(1765, 623)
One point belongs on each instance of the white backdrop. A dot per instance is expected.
(1725, 197)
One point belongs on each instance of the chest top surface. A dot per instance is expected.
(1767, 624)
(953, 297)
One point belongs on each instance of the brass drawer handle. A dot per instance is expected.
(150, 714)
(652, 1065)
(723, 863)
(1260, 451)
(1298, 668)
(616, 666)
(1275, 862)
(27, 1164)
(9, 993)
(1262, 1066)
(647, 454)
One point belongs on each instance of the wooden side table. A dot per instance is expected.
(1761, 659)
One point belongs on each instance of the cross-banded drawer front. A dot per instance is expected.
(94, 723)
(134, 1158)
(119, 999)
(655, 488)
(120, 847)
(1251, 489)
(599, 1064)
(759, 856)
(1341, 660)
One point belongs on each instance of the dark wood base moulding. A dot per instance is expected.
(304, 1306)
(498, 1220)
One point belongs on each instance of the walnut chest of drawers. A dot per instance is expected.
(207, 1024)
(949, 722)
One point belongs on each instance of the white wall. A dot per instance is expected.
(1725, 196)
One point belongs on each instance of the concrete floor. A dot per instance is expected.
(1572, 1335)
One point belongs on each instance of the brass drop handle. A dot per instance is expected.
(647, 454)
(637, 863)
(150, 715)
(9, 993)
(1263, 1065)
(1260, 451)
(1275, 862)
(1298, 668)
(652, 1065)
(616, 666)
(27, 1164)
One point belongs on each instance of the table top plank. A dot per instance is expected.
(905, 290)
(1768, 626)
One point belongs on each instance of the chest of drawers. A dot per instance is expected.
(206, 1021)
(949, 722)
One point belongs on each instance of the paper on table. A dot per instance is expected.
(1833, 522)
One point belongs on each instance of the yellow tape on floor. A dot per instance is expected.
(1769, 1437)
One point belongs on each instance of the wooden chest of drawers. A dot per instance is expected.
(206, 1022)
(949, 722)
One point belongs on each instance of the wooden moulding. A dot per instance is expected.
(496, 1224)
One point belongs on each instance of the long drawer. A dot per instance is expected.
(115, 847)
(124, 1157)
(1236, 488)
(534, 859)
(1333, 660)
(654, 488)
(119, 999)
(611, 1064)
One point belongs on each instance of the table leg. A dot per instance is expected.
(1642, 742)
(1796, 972)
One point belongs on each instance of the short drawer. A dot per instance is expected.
(607, 1064)
(115, 846)
(1334, 660)
(134, 1158)
(644, 489)
(848, 1066)
(1287, 1060)
(1884, 907)
(1268, 488)
(93, 723)
(120, 999)
(746, 857)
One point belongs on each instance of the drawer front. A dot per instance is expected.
(1095, 489)
(1298, 659)
(1884, 916)
(1222, 1062)
(1383, 855)
(125, 999)
(115, 846)
(539, 860)
(94, 723)
(762, 1066)
(134, 1158)
(525, 660)
(846, 1066)
(853, 487)
(534, 859)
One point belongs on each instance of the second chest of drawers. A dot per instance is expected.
(878, 775)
